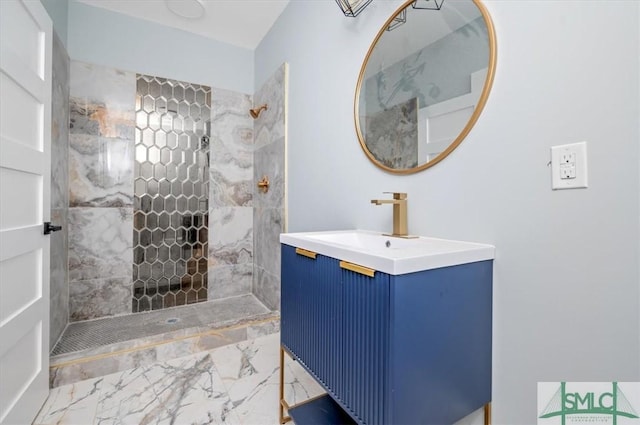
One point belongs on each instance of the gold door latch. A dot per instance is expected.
(263, 184)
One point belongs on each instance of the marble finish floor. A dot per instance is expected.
(94, 333)
(234, 384)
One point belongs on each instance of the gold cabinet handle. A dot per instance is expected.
(357, 268)
(306, 253)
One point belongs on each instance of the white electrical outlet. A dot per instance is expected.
(569, 166)
(567, 172)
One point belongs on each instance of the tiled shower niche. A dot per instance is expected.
(171, 191)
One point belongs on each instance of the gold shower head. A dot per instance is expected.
(255, 112)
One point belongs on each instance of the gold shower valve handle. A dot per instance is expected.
(263, 184)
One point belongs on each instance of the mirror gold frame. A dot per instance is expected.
(491, 68)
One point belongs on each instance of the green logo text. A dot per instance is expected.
(613, 403)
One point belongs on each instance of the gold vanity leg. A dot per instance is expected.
(282, 405)
(487, 414)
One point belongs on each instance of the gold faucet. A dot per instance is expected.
(400, 226)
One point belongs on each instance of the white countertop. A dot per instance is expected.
(401, 256)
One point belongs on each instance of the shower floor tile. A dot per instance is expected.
(86, 335)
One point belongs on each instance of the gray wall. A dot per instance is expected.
(114, 40)
(566, 293)
(58, 10)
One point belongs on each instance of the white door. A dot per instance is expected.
(25, 140)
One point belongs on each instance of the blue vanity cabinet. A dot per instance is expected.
(391, 349)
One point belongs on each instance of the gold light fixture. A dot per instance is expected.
(427, 4)
(351, 8)
(399, 19)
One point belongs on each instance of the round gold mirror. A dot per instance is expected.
(424, 82)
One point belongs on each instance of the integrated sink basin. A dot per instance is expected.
(389, 254)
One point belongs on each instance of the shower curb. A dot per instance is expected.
(73, 367)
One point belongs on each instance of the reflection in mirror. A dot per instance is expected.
(424, 82)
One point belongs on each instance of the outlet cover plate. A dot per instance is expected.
(560, 156)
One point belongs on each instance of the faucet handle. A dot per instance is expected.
(398, 195)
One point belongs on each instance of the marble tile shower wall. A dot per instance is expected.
(231, 196)
(59, 293)
(102, 122)
(101, 190)
(269, 208)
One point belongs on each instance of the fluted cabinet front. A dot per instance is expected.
(312, 316)
(337, 327)
(364, 336)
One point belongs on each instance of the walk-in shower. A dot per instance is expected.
(171, 193)
(165, 210)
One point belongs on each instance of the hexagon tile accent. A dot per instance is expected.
(171, 197)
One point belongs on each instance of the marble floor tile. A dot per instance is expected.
(73, 404)
(298, 384)
(250, 372)
(249, 362)
(234, 384)
(159, 393)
